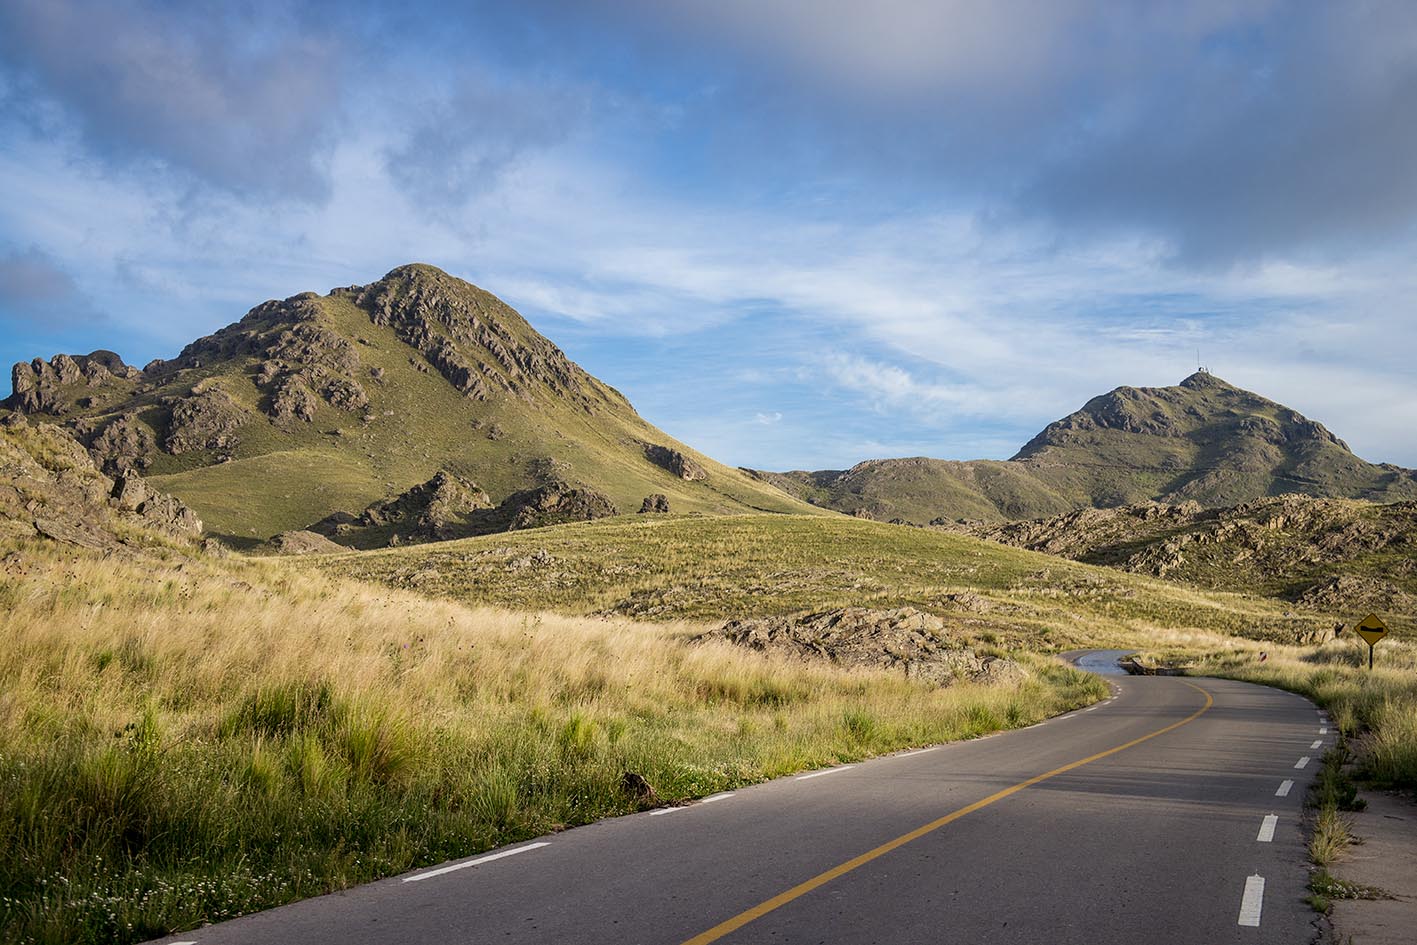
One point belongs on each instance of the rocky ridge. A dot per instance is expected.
(1326, 554)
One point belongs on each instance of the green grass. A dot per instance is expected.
(184, 740)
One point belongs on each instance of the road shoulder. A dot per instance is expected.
(1387, 859)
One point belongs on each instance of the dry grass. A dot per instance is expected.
(686, 567)
(183, 740)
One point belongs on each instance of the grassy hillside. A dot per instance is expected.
(320, 404)
(1336, 555)
(1203, 440)
(184, 739)
(684, 567)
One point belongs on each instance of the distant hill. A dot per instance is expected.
(347, 402)
(1203, 440)
(1334, 555)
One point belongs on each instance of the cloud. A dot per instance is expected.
(462, 141)
(1231, 132)
(240, 102)
(35, 290)
(768, 419)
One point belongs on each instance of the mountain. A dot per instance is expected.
(1203, 440)
(320, 405)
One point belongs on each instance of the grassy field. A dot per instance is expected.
(187, 739)
(688, 567)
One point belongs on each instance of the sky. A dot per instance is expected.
(795, 233)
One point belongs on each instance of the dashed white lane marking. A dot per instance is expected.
(466, 863)
(1284, 787)
(1301, 762)
(1317, 743)
(666, 810)
(1323, 730)
(818, 774)
(1266, 834)
(717, 797)
(181, 943)
(920, 751)
(1090, 708)
(1252, 903)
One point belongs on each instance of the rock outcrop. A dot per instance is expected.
(49, 387)
(675, 462)
(206, 419)
(430, 511)
(303, 543)
(654, 503)
(555, 503)
(903, 640)
(125, 443)
(49, 486)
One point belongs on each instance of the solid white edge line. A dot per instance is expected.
(1301, 762)
(1266, 834)
(717, 797)
(1252, 903)
(920, 751)
(1317, 743)
(466, 863)
(1284, 787)
(818, 774)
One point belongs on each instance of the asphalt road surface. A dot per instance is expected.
(1168, 814)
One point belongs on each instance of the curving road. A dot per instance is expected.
(1168, 814)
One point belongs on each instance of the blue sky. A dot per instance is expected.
(797, 234)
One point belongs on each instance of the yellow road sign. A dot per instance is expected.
(1372, 629)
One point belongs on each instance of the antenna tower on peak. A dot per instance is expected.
(1200, 368)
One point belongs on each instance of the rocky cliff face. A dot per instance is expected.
(50, 487)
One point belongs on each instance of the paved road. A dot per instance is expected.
(1168, 814)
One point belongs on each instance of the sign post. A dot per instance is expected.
(1371, 629)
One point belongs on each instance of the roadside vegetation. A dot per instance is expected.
(185, 739)
(1376, 711)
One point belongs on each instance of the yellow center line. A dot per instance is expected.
(801, 889)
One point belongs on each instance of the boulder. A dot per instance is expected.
(303, 543)
(555, 503)
(654, 503)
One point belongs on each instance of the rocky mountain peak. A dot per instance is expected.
(477, 342)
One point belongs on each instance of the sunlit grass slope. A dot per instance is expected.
(184, 739)
(689, 567)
